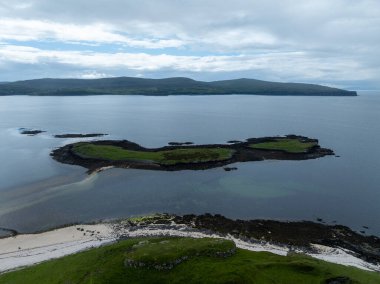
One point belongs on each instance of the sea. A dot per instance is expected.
(37, 193)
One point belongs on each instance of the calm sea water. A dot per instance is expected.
(38, 193)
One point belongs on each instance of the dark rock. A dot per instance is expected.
(73, 135)
(227, 169)
(30, 132)
(5, 233)
(180, 143)
(297, 234)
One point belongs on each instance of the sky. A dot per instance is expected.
(330, 42)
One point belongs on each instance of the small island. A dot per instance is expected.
(79, 135)
(180, 143)
(95, 155)
(30, 132)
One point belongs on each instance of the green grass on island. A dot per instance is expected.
(200, 261)
(166, 157)
(289, 145)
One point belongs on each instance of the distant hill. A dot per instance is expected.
(162, 87)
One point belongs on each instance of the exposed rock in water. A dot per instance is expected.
(228, 169)
(180, 143)
(73, 135)
(30, 132)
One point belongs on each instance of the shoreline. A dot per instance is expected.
(29, 249)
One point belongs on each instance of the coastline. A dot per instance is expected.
(29, 249)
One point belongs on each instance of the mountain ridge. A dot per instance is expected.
(162, 87)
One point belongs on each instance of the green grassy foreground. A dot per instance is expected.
(288, 145)
(164, 254)
(167, 157)
(204, 263)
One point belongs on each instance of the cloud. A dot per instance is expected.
(319, 41)
(37, 30)
(282, 65)
(92, 75)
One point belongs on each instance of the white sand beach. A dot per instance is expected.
(28, 249)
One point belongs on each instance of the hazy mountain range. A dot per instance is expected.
(162, 87)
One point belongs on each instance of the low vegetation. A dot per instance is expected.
(109, 264)
(95, 155)
(166, 157)
(165, 254)
(288, 145)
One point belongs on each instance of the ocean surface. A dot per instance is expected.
(37, 193)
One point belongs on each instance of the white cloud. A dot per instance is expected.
(282, 65)
(237, 39)
(35, 30)
(93, 75)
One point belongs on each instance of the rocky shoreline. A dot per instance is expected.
(5, 233)
(302, 235)
(242, 152)
(337, 244)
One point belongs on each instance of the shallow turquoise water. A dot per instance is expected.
(37, 192)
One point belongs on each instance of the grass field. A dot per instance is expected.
(168, 157)
(107, 265)
(288, 145)
(164, 253)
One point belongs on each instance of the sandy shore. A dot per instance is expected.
(24, 250)
(29, 249)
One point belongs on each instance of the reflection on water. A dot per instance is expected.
(37, 192)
